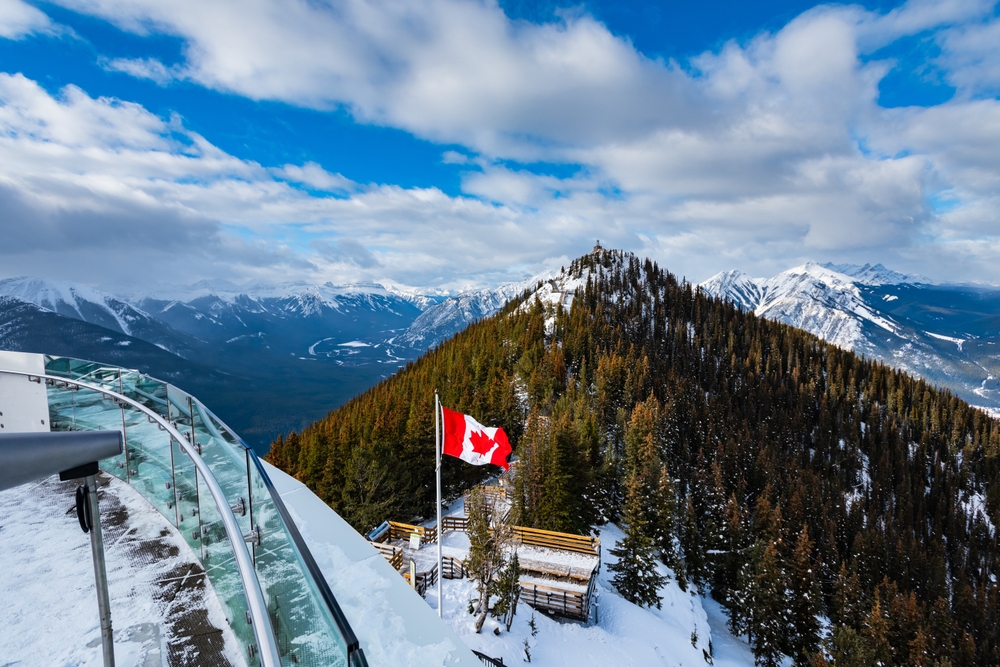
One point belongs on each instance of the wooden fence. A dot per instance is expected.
(547, 538)
(392, 554)
(555, 600)
(536, 537)
(452, 568)
(402, 531)
(449, 523)
(424, 580)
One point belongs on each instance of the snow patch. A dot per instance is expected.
(950, 339)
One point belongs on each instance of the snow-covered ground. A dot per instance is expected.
(678, 634)
(161, 610)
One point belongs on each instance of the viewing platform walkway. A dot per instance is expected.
(231, 561)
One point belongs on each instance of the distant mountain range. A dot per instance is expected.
(267, 358)
(271, 358)
(947, 334)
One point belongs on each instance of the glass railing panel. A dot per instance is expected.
(62, 408)
(187, 495)
(220, 565)
(304, 628)
(179, 409)
(151, 469)
(227, 464)
(57, 366)
(72, 409)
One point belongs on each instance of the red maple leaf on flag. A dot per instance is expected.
(481, 443)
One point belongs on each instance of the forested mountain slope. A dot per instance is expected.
(791, 477)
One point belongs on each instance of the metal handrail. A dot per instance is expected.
(355, 655)
(263, 631)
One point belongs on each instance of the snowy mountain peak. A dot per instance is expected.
(453, 314)
(820, 298)
(876, 275)
(740, 288)
(81, 302)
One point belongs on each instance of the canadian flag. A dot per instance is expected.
(467, 439)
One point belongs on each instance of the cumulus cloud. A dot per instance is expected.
(109, 190)
(18, 19)
(755, 155)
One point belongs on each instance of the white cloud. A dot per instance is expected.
(757, 155)
(107, 189)
(313, 175)
(19, 19)
(144, 68)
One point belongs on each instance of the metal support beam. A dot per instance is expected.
(100, 571)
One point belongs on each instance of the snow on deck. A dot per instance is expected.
(163, 611)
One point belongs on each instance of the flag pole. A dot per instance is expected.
(437, 448)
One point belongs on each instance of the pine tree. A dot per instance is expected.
(636, 577)
(767, 617)
(508, 591)
(805, 600)
(876, 633)
(849, 649)
(693, 544)
(663, 507)
(848, 602)
(367, 491)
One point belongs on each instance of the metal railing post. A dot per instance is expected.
(100, 571)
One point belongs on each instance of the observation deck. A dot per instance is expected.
(280, 578)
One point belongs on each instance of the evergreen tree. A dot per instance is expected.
(367, 489)
(849, 649)
(805, 601)
(508, 590)
(848, 602)
(876, 633)
(663, 507)
(693, 544)
(636, 577)
(767, 618)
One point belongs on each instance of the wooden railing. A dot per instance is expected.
(552, 599)
(402, 531)
(494, 493)
(424, 580)
(452, 568)
(547, 538)
(392, 554)
(536, 537)
(449, 523)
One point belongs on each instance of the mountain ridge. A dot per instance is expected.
(789, 476)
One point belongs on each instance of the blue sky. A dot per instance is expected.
(441, 144)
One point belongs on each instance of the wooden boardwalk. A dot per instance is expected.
(558, 570)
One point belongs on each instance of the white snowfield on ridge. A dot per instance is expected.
(821, 298)
(68, 298)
